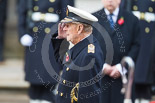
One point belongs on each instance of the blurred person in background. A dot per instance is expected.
(152, 63)
(36, 17)
(3, 10)
(144, 10)
(123, 30)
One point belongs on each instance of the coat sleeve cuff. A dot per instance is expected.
(122, 71)
(104, 65)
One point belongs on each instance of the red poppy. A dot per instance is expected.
(121, 21)
(67, 58)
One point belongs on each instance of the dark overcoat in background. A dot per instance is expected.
(147, 29)
(125, 42)
(143, 72)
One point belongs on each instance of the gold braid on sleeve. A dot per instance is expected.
(74, 93)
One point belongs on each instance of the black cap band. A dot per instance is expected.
(77, 18)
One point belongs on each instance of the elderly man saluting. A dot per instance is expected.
(82, 62)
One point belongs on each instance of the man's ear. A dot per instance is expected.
(80, 28)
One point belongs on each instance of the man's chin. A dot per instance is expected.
(110, 8)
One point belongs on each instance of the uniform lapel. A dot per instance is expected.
(81, 45)
(67, 57)
(119, 16)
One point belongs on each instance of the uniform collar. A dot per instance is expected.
(76, 49)
(71, 45)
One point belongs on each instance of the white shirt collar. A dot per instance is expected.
(70, 45)
(115, 14)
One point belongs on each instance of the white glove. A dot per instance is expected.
(119, 67)
(127, 101)
(142, 100)
(26, 40)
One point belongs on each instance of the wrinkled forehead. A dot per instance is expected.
(112, 0)
(70, 23)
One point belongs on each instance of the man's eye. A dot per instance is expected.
(67, 25)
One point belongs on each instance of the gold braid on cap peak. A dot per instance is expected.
(73, 92)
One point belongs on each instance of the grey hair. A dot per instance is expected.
(87, 27)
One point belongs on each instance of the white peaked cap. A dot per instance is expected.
(77, 15)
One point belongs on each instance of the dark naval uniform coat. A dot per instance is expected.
(143, 72)
(82, 63)
(147, 29)
(34, 20)
(124, 38)
(152, 63)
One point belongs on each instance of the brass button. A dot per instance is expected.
(148, 21)
(52, 1)
(47, 30)
(142, 16)
(67, 69)
(36, 8)
(150, 9)
(50, 9)
(61, 94)
(35, 0)
(42, 16)
(153, 0)
(64, 81)
(35, 29)
(147, 30)
(135, 8)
